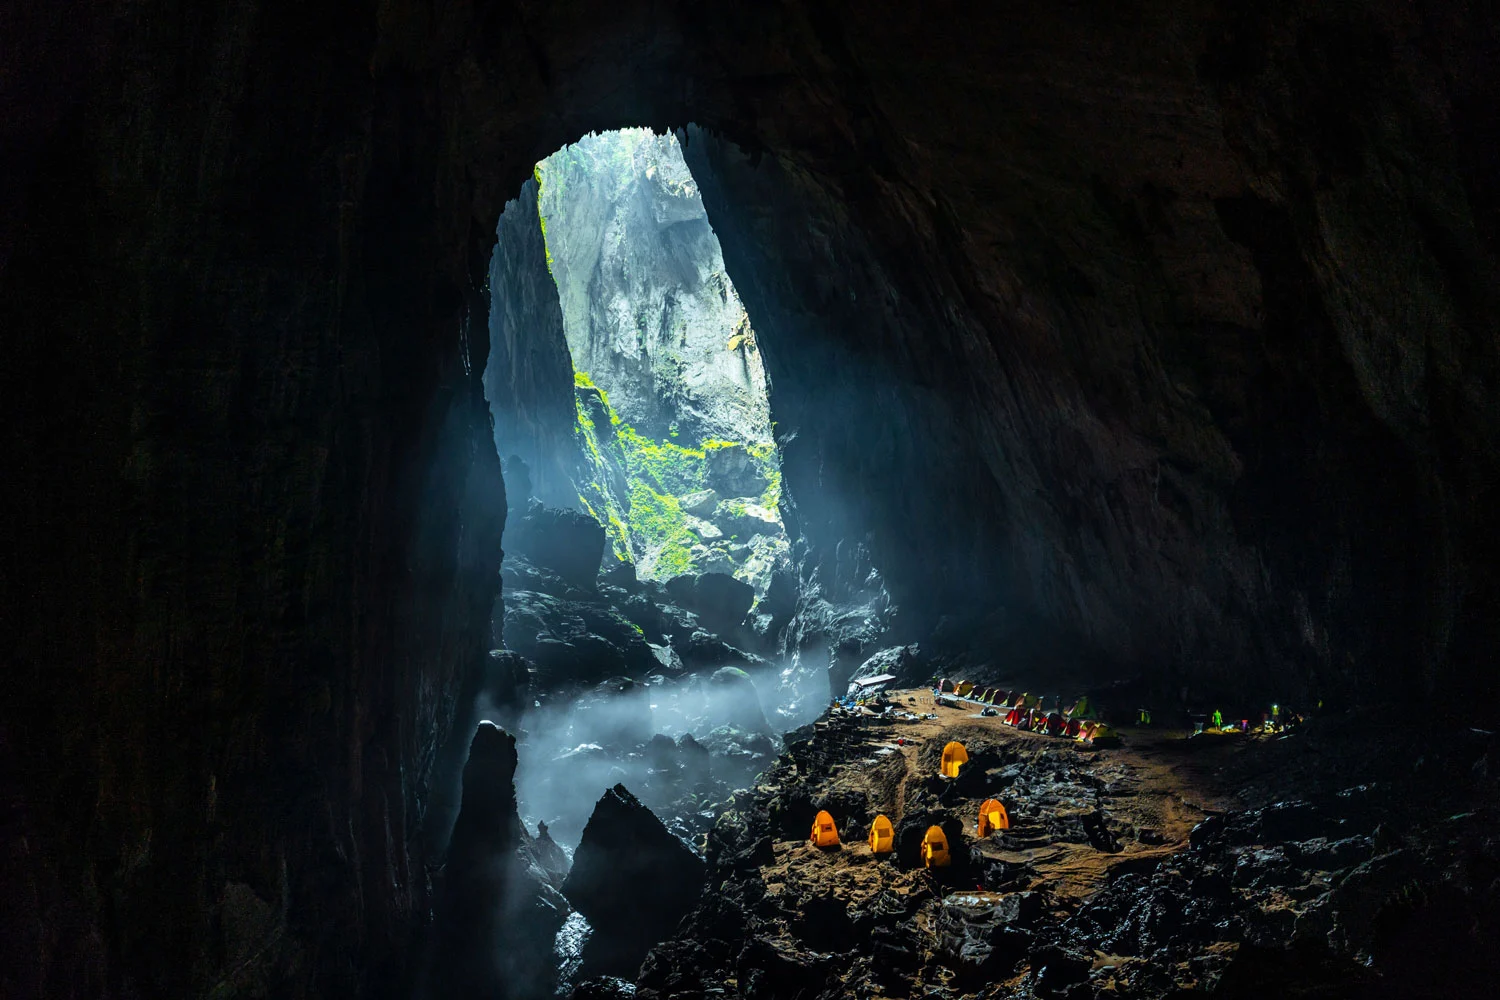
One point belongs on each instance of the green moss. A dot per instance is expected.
(660, 521)
(658, 471)
(668, 467)
(771, 498)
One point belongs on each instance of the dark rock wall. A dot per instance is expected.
(1204, 302)
(529, 379)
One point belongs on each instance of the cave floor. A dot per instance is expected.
(1161, 864)
(1157, 784)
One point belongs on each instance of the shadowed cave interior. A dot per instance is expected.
(368, 504)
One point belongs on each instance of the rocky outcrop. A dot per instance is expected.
(498, 907)
(718, 599)
(565, 541)
(633, 880)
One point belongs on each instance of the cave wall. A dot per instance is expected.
(529, 378)
(1204, 300)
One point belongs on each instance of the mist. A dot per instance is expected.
(681, 746)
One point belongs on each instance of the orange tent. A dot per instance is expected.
(954, 755)
(935, 848)
(882, 836)
(824, 833)
(992, 817)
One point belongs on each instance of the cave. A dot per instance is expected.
(1132, 370)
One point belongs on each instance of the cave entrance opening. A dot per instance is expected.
(671, 447)
(678, 461)
(648, 581)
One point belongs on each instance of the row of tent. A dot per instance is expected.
(934, 849)
(1025, 712)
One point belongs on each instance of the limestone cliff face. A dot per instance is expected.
(1189, 358)
(648, 310)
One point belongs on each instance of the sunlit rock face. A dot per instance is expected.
(648, 310)
(1190, 363)
(669, 389)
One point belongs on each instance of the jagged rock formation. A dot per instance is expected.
(633, 880)
(1169, 330)
(499, 906)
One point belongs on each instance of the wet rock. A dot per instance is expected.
(633, 880)
(700, 649)
(719, 600)
(696, 763)
(982, 934)
(569, 542)
(1054, 969)
(549, 856)
(579, 641)
(620, 573)
(745, 518)
(822, 923)
(772, 970)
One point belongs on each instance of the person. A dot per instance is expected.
(1218, 719)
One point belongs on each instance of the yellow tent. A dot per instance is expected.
(992, 817)
(935, 848)
(964, 687)
(824, 833)
(1100, 734)
(882, 835)
(954, 755)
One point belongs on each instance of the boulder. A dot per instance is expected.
(735, 701)
(700, 504)
(720, 601)
(983, 934)
(632, 880)
(905, 662)
(733, 471)
(574, 640)
(745, 518)
(603, 988)
(569, 542)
